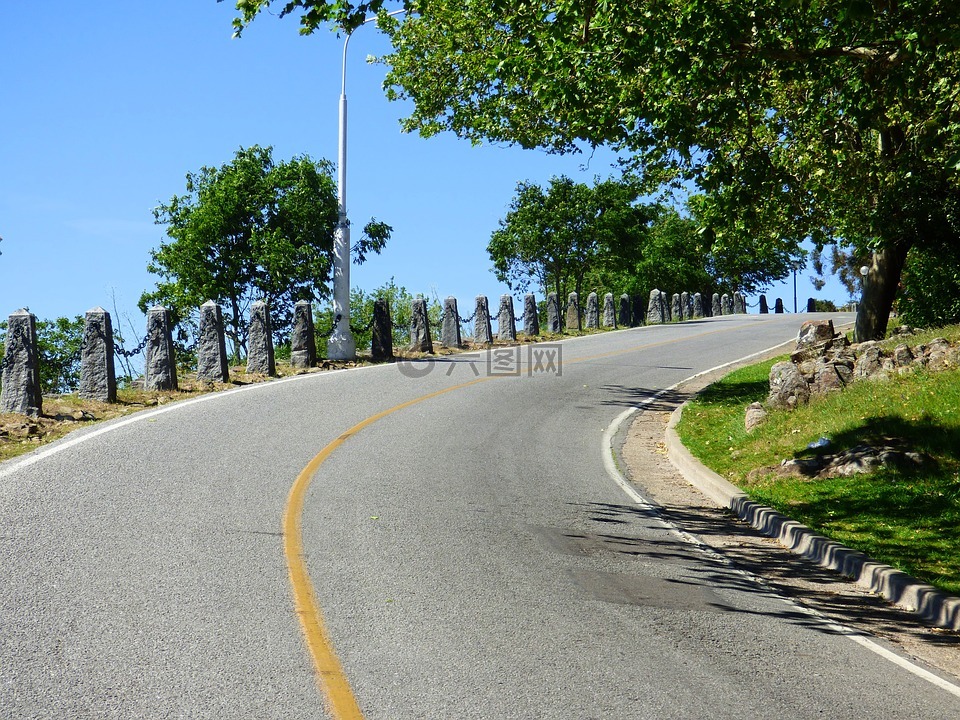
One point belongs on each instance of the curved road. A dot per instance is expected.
(469, 553)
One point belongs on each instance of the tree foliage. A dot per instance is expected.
(247, 230)
(836, 120)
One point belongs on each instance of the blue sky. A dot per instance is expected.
(105, 107)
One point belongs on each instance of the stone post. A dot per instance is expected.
(382, 346)
(420, 340)
(609, 312)
(553, 314)
(211, 345)
(676, 308)
(656, 313)
(811, 305)
(260, 359)
(764, 308)
(593, 311)
(697, 306)
(624, 316)
(637, 310)
(98, 381)
(739, 304)
(160, 365)
(573, 313)
(303, 340)
(778, 307)
(450, 330)
(687, 300)
(726, 305)
(482, 333)
(531, 316)
(506, 322)
(21, 391)
(716, 308)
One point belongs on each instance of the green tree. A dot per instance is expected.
(247, 230)
(836, 120)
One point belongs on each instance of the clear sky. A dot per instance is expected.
(105, 106)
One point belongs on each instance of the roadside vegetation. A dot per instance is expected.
(908, 518)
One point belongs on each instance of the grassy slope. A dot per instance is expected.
(909, 519)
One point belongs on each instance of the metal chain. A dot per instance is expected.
(336, 321)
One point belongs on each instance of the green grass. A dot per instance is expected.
(907, 518)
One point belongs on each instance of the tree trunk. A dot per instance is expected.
(879, 291)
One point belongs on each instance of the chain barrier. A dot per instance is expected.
(466, 321)
(361, 331)
(325, 335)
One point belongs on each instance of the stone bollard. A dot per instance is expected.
(303, 340)
(609, 312)
(778, 307)
(382, 346)
(676, 308)
(553, 314)
(506, 322)
(624, 316)
(716, 308)
(811, 305)
(21, 391)
(739, 304)
(573, 313)
(482, 333)
(726, 305)
(656, 313)
(260, 359)
(211, 345)
(450, 330)
(531, 316)
(593, 312)
(764, 308)
(697, 306)
(686, 299)
(98, 381)
(420, 340)
(160, 365)
(637, 310)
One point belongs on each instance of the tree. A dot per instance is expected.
(836, 120)
(251, 229)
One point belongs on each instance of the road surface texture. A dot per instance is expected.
(470, 554)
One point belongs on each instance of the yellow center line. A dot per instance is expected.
(333, 681)
(342, 702)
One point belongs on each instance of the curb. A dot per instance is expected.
(903, 590)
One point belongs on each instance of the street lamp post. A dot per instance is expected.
(341, 345)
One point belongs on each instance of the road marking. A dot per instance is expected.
(609, 463)
(333, 681)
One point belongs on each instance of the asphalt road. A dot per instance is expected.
(470, 554)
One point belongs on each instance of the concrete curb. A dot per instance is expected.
(905, 591)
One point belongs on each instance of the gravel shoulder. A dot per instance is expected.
(644, 457)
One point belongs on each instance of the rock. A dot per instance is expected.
(756, 415)
(787, 387)
(815, 333)
(902, 356)
(868, 360)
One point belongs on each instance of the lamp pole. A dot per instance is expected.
(341, 345)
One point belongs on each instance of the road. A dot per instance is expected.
(468, 551)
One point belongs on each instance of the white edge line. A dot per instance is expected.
(608, 453)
